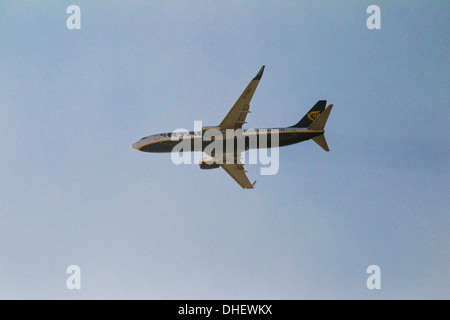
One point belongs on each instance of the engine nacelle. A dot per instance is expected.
(208, 163)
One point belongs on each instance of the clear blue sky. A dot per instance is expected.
(73, 191)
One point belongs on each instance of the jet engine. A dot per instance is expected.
(208, 163)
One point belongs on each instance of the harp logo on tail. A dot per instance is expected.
(313, 115)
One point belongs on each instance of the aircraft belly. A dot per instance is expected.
(159, 147)
(292, 138)
(261, 141)
(265, 141)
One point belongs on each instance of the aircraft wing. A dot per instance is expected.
(236, 116)
(237, 172)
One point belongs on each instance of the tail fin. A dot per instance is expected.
(312, 115)
(319, 124)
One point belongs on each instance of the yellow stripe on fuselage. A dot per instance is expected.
(246, 133)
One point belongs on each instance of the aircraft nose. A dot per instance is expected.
(136, 145)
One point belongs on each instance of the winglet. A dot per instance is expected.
(253, 184)
(260, 73)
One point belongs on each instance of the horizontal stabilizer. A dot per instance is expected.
(322, 142)
(319, 123)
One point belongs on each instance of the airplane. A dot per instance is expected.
(311, 126)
